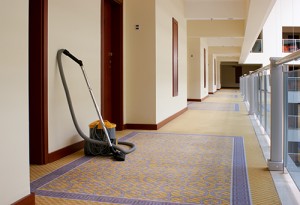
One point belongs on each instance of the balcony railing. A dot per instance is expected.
(290, 45)
(278, 111)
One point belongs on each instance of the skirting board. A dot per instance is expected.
(27, 200)
(198, 100)
(53, 156)
(154, 126)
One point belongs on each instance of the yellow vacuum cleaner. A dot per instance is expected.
(102, 140)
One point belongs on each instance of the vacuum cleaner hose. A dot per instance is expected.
(97, 142)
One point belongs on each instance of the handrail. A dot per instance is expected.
(261, 69)
(288, 58)
(293, 56)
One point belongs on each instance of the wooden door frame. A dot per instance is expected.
(38, 81)
(117, 105)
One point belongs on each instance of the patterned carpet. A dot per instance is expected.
(166, 168)
(203, 128)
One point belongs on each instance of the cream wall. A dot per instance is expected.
(73, 25)
(193, 70)
(218, 28)
(216, 9)
(139, 62)
(212, 74)
(203, 90)
(208, 31)
(218, 74)
(148, 60)
(14, 152)
(166, 104)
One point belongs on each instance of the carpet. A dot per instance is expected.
(234, 107)
(166, 168)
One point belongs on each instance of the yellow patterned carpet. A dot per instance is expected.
(209, 128)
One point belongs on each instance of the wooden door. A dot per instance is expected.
(112, 62)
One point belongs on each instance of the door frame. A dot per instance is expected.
(38, 81)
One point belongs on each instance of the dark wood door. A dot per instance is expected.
(38, 81)
(112, 62)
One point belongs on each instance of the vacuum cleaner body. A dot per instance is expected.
(97, 133)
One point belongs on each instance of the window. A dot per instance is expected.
(258, 45)
(290, 39)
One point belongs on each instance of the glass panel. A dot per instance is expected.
(292, 156)
(290, 45)
(297, 44)
(262, 101)
(257, 95)
(257, 47)
(268, 105)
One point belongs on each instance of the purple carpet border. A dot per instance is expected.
(105, 199)
(57, 173)
(240, 193)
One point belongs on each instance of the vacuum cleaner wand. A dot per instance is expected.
(118, 155)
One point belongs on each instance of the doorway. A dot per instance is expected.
(112, 61)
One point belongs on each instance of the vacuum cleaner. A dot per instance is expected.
(100, 142)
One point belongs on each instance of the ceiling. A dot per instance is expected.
(253, 13)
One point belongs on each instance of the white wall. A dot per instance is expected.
(166, 104)
(139, 62)
(73, 25)
(193, 70)
(14, 139)
(284, 13)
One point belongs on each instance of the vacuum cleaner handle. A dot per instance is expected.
(67, 53)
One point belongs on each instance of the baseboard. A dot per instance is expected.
(194, 100)
(198, 100)
(27, 200)
(154, 126)
(141, 126)
(164, 122)
(230, 88)
(65, 151)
